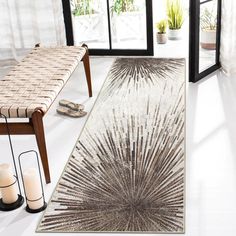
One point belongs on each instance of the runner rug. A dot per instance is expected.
(126, 172)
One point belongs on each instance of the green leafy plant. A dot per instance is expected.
(119, 6)
(82, 7)
(161, 26)
(208, 20)
(175, 14)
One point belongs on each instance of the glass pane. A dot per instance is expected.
(90, 25)
(208, 28)
(128, 24)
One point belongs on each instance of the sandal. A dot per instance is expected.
(71, 105)
(71, 113)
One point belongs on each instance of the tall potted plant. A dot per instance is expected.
(175, 16)
(127, 20)
(161, 32)
(208, 21)
(87, 21)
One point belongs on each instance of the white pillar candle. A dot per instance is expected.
(33, 190)
(9, 194)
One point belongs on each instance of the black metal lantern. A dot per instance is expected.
(20, 200)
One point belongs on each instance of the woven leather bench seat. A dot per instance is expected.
(31, 87)
(37, 80)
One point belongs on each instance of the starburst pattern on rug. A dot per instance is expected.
(126, 172)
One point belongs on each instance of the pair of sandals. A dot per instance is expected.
(71, 109)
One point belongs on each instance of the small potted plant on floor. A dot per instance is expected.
(208, 22)
(175, 16)
(161, 32)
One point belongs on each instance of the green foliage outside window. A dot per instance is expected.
(119, 6)
(82, 7)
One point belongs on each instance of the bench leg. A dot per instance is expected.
(37, 120)
(87, 70)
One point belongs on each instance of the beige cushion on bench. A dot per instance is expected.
(36, 81)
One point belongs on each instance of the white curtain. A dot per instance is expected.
(228, 37)
(23, 23)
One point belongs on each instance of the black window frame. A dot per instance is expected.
(116, 52)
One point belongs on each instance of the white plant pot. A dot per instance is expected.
(174, 34)
(208, 39)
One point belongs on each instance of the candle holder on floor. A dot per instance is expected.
(20, 200)
(27, 189)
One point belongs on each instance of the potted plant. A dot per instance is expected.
(127, 20)
(87, 22)
(175, 16)
(161, 32)
(208, 21)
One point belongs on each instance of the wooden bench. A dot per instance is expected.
(31, 87)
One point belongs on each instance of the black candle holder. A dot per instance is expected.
(41, 183)
(19, 202)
